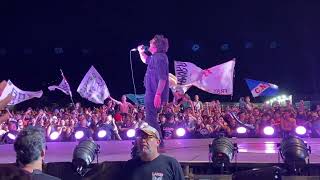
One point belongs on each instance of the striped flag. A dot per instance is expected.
(260, 88)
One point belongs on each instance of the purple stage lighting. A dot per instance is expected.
(180, 132)
(131, 133)
(268, 130)
(79, 134)
(300, 130)
(241, 130)
(102, 133)
(54, 135)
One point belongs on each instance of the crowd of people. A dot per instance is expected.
(199, 119)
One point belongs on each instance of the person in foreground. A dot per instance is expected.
(149, 164)
(30, 150)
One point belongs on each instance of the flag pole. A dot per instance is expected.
(234, 75)
(70, 94)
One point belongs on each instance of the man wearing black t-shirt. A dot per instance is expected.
(30, 151)
(149, 164)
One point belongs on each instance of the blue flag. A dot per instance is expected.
(260, 88)
(136, 99)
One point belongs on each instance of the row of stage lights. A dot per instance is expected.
(269, 130)
(195, 47)
(280, 99)
(293, 151)
(101, 134)
(179, 132)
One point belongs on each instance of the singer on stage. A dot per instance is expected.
(156, 80)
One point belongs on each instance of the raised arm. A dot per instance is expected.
(143, 55)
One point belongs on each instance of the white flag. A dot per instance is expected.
(218, 79)
(18, 95)
(215, 80)
(187, 73)
(173, 84)
(63, 86)
(93, 87)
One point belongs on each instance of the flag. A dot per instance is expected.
(260, 88)
(17, 94)
(4, 102)
(186, 73)
(63, 86)
(93, 87)
(136, 99)
(215, 80)
(173, 84)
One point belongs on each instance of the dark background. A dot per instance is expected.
(274, 41)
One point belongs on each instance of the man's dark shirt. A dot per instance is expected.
(161, 168)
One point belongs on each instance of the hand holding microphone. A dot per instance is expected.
(140, 48)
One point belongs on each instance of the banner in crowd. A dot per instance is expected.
(260, 88)
(17, 94)
(63, 86)
(93, 87)
(173, 84)
(136, 99)
(215, 80)
(186, 73)
(4, 102)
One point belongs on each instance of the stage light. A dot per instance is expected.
(79, 135)
(222, 151)
(281, 99)
(300, 130)
(274, 44)
(11, 136)
(294, 152)
(195, 47)
(248, 45)
(131, 133)
(58, 50)
(241, 130)
(180, 132)
(83, 155)
(102, 133)
(225, 47)
(268, 130)
(54, 135)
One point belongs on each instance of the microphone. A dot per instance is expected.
(136, 49)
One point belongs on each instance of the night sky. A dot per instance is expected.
(274, 41)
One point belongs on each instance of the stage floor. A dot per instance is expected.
(251, 150)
